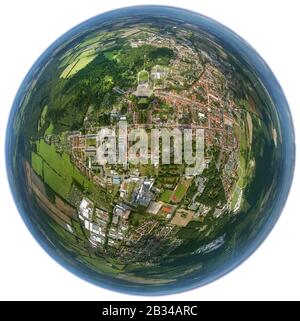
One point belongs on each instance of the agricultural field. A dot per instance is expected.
(37, 163)
(43, 116)
(244, 163)
(144, 223)
(61, 185)
(83, 60)
(59, 173)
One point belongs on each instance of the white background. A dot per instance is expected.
(27, 28)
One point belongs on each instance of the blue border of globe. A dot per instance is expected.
(237, 45)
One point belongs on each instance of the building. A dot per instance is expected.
(154, 207)
(122, 211)
(143, 91)
(86, 209)
(159, 72)
(143, 195)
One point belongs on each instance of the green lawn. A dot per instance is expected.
(166, 196)
(91, 142)
(143, 76)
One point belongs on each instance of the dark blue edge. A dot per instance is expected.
(272, 86)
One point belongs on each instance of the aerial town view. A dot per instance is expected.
(133, 216)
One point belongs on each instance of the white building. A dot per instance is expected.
(86, 209)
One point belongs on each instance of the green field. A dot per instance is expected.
(243, 165)
(59, 173)
(100, 265)
(236, 198)
(61, 185)
(91, 142)
(241, 172)
(43, 116)
(60, 163)
(49, 130)
(112, 55)
(242, 161)
(78, 230)
(68, 240)
(37, 163)
(143, 76)
(77, 65)
(136, 218)
(166, 196)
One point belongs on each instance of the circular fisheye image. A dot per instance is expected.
(150, 150)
